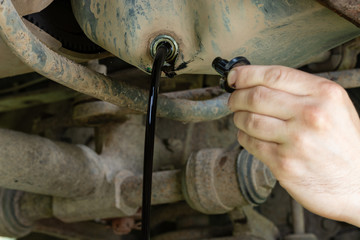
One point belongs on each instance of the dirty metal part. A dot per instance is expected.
(99, 205)
(206, 173)
(345, 78)
(343, 57)
(120, 202)
(96, 113)
(125, 141)
(207, 29)
(350, 53)
(99, 112)
(81, 230)
(255, 179)
(298, 217)
(25, 161)
(298, 221)
(331, 63)
(167, 40)
(12, 225)
(19, 210)
(25, 7)
(60, 69)
(348, 9)
(34, 207)
(11, 65)
(166, 188)
(196, 94)
(247, 221)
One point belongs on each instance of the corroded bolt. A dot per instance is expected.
(255, 179)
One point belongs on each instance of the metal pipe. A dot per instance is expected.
(38, 165)
(63, 71)
(298, 217)
(166, 188)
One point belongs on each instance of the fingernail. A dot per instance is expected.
(231, 78)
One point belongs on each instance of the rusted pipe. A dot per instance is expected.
(166, 188)
(38, 165)
(63, 71)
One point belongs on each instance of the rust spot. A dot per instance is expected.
(223, 161)
(123, 226)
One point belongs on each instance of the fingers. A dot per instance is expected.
(265, 101)
(266, 151)
(276, 77)
(261, 127)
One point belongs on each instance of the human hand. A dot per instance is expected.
(306, 130)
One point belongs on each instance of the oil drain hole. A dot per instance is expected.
(169, 43)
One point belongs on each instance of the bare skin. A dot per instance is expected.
(306, 130)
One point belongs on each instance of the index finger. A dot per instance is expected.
(276, 77)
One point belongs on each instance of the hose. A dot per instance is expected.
(159, 60)
(75, 76)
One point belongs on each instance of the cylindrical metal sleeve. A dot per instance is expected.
(38, 165)
(166, 188)
(34, 207)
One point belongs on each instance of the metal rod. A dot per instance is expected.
(65, 72)
(298, 217)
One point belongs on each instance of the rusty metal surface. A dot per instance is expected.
(123, 226)
(348, 9)
(255, 179)
(166, 188)
(12, 225)
(36, 164)
(283, 32)
(196, 94)
(34, 207)
(50, 64)
(206, 173)
(256, 225)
